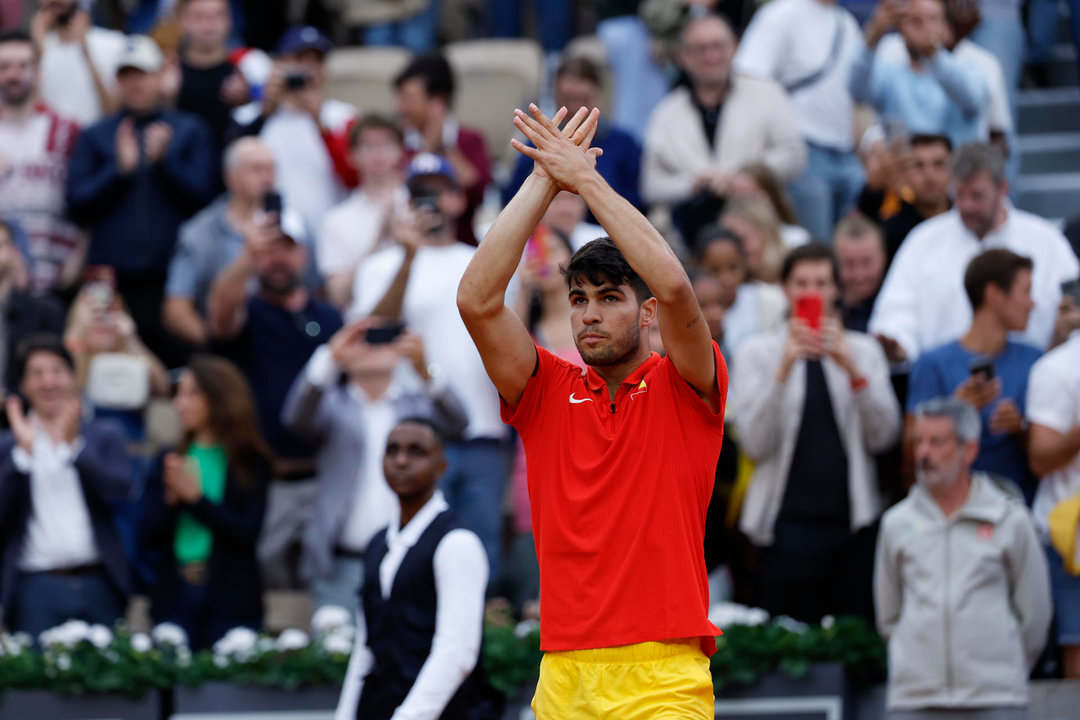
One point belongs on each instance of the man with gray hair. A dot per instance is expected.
(215, 236)
(922, 303)
(961, 585)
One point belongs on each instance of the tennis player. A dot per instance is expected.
(620, 456)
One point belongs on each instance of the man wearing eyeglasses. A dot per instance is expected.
(271, 333)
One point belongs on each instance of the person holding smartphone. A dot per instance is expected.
(985, 367)
(812, 403)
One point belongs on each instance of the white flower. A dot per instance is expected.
(525, 628)
(169, 634)
(183, 657)
(727, 614)
(141, 643)
(221, 661)
(69, 634)
(15, 644)
(292, 639)
(330, 617)
(791, 625)
(338, 644)
(238, 641)
(100, 636)
(63, 661)
(828, 622)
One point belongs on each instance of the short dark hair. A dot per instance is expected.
(18, 36)
(918, 139)
(435, 71)
(42, 342)
(580, 67)
(997, 266)
(599, 262)
(440, 435)
(716, 233)
(811, 252)
(375, 122)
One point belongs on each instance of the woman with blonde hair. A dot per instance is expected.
(756, 223)
(757, 180)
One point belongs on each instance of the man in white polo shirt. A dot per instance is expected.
(1053, 409)
(808, 46)
(922, 303)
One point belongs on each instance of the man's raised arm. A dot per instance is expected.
(682, 326)
(503, 341)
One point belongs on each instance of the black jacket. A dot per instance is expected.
(104, 469)
(232, 570)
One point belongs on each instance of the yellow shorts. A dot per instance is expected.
(645, 681)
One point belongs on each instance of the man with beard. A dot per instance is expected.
(621, 455)
(271, 335)
(35, 148)
(960, 582)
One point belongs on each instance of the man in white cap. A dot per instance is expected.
(134, 178)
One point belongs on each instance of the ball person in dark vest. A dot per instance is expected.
(418, 641)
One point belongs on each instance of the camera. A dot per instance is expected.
(296, 80)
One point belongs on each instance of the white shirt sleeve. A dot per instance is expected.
(331, 239)
(321, 369)
(895, 313)
(373, 279)
(461, 573)
(360, 663)
(1050, 401)
(762, 46)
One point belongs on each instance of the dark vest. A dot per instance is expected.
(400, 630)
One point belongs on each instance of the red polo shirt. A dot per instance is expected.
(619, 492)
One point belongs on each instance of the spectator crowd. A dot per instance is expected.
(232, 358)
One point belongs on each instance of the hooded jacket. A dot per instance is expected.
(963, 601)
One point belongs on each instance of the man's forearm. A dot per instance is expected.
(182, 319)
(483, 286)
(643, 247)
(1050, 450)
(393, 301)
(227, 295)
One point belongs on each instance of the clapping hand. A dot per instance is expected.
(157, 138)
(182, 484)
(564, 155)
(21, 426)
(1006, 419)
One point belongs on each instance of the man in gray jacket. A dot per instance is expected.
(350, 395)
(960, 583)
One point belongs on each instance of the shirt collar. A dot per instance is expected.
(595, 382)
(407, 537)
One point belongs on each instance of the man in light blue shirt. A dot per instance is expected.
(933, 93)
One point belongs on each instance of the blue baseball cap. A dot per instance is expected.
(427, 164)
(303, 37)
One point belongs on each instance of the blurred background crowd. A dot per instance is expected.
(231, 234)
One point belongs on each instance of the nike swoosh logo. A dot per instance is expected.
(575, 401)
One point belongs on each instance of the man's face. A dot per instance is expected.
(253, 175)
(710, 300)
(707, 49)
(607, 321)
(929, 173)
(923, 22)
(565, 212)
(1014, 307)
(62, 10)
(47, 383)
(726, 264)
(413, 462)
(940, 459)
(978, 200)
(140, 92)
(862, 265)
(413, 103)
(448, 197)
(377, 153)
(206, 23)
(575, 93)
(280, 265)
(309, 62)
(812, 277)
(18, 73)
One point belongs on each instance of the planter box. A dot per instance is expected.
(223, 698)
(821, 694)
(24, 705)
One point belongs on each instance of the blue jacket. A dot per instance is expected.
(134, 218)
(620, 164)
(104, 469)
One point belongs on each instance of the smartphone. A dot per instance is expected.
(384, 334)
(810, 309)
(983, 367)
(1071, 288)
(99, 282)
(272, 203)
(428, 199)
